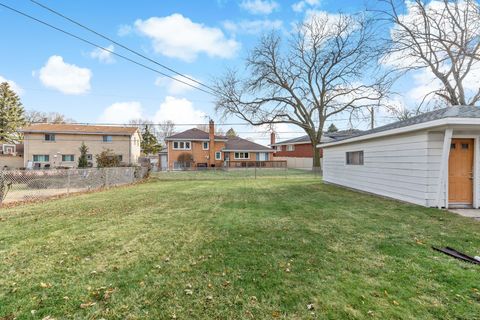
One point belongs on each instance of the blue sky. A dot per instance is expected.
(199, 38)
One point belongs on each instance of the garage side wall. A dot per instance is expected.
(395, 167)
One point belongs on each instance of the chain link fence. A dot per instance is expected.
(195, 173)
(26, 185)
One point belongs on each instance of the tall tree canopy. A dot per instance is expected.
(231, 133)
(326, 67)
(11, 114)
(149, 143)
(332, 128)
(82, 160)
(440, 38)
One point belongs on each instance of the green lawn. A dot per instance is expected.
(234, 249)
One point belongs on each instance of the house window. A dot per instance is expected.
(205, 145)
(290, 147)
(242, 155)
(181, 145)
(68, 157)
(41, 158)
(107, 139)
(218, 155)
(279, 148)
(49, 137)
(354, 158)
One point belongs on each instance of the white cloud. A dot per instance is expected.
(259, 6)
(300, 6)
(64, 77)
(124, 30)
(178, 111)
(13, 85)
(122, 112)
(175, 87)
(179, 37)
(103, 55)
(252, 26)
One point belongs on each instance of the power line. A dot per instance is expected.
(173, 124)
(121, 45)
(103, 48)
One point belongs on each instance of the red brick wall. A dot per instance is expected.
(300, 151)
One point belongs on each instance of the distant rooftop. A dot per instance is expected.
(193, 134)
(327, 137)
(449, 112)
(239, 144)
(79, 129)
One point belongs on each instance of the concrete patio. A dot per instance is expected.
(469, 213)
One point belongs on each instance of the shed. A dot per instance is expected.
(430, 159)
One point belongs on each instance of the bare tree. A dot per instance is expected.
(165, 129)
(206, 128)
(319, 73)
(33, 116)
(441, 37)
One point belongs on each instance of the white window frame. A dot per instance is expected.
(69, 155)
(41, 155)
(182, 145)
(290, 147)
(205, 143)
(279, 148)
(107, 139)
(240, 157)
(218, 155)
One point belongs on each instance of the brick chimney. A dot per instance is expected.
(211, 143)
(272, 138)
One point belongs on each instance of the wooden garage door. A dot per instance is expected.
(460, 172)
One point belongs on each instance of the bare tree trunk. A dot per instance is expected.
(317, 164)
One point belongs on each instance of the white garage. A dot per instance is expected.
(430, 160)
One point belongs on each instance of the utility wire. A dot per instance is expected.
(122, 45)
(100, 47)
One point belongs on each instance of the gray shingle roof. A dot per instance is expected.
(327, 136)
(239, 144)
(193, 134)
(449, 112)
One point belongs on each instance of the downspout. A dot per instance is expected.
(442, 178)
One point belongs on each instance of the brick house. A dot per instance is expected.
(298, 152)
(57, 145)
(195, 148)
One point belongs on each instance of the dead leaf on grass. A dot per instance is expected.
(87, 304)
(45, 285)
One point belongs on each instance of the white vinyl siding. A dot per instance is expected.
(399, 167)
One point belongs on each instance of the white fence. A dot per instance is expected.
(298, 163)
(25, 185)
